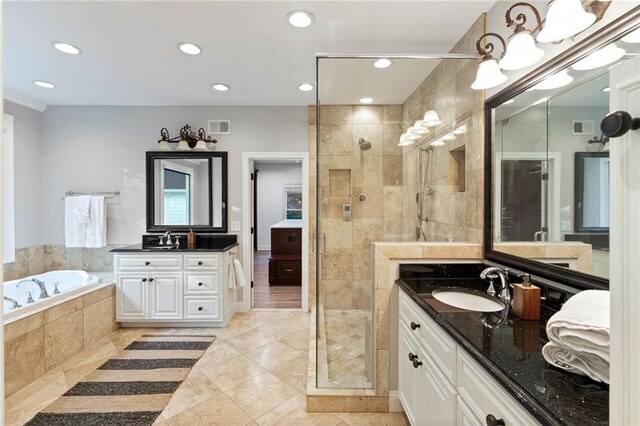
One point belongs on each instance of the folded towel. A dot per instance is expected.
(75, 232)
(231, 276)
(583, 324)
(97, 227)
(237, 267)
(582, 363)
(81, 208)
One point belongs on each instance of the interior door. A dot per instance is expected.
(254, 235)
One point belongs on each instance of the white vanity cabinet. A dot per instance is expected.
(174, 289)
(440, 384)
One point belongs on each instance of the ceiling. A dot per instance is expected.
(129, 54)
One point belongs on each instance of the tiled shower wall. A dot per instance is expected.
(44, 258)
(347, 172)
(455, 171)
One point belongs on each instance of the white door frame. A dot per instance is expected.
(247, 246)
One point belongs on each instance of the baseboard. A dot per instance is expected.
(264, 248)
(395, 406)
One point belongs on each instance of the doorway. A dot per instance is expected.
(275, 230)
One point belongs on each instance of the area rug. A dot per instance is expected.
(131, 388)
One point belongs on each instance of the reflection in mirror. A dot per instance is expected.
(187, 190)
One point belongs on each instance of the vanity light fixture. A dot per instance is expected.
(461, 130)
(366, 100)
(67, 48)
(449, 137)
(438, 142)
(186, 140)
(489, 74)
(305, 87)
(382, 63)
(555, 81)
(220, 87)
(44, 84)
(431, 119)
(189, 48)
(601, 57)
(407, 139)
(565, 18)
(521, 50)
(300, 18)
(632, 37)
(418, 129)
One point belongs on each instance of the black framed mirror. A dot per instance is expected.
(536, 143)
(187, 190)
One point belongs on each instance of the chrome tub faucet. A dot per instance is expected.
(43, 289)
(14, 302)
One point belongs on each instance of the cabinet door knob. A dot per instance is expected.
(492, 421)
(147, 263)
(199, 308)
(412, 356)
(200, 263)
(144, 280)
(414, 325)
(200, 284)
(416, 363)
(150, 280)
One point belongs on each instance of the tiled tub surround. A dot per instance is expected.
(41, 342)
(510, 350)
(45, 258)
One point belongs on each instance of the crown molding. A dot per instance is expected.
(24, 101)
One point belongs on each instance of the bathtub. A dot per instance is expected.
(70, 283)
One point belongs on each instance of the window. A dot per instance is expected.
(293, 202)
(177, 197)
(8, 225)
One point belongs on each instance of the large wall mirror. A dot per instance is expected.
(187, 190)
(547, 165)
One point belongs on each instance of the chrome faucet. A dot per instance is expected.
(14, 302)
(492, 273)
(43, 289)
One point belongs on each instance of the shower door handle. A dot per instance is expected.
(314, 239)
(323, 239)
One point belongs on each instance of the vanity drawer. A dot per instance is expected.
(483, 395)
(438, 344)
(202, 308)
(202, 283)
(200, 262)
(167, 262)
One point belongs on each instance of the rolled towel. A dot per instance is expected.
(582, 363)
(583, 324)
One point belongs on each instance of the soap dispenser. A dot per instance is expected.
(191, 239)
(526, 299)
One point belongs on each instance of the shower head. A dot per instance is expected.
(364, 144)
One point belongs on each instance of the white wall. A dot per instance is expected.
(28, 174)
(272, 177)
(102, 148)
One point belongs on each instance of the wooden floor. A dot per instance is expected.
(272, 297)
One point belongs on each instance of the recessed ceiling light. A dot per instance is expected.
(382, 63)
(606, 89)
(510, 101)
(366, 100)
(44, 84)
(220, 87)
(300, 18)
(305, 87)
(189, 48)
(67, 48)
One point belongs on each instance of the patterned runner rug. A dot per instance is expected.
(130, 389)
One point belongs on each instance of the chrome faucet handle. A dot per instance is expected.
(56, 290)
(177, 241)
(491, 291)
(161, 243)
(30, 296)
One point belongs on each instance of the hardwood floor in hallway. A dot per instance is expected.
(272, 297)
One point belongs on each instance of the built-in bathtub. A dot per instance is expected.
(70, 284)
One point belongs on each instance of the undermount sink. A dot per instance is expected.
(471, 300)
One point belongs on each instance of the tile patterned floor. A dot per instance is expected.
(253, 374)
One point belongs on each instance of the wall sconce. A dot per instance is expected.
(565, 18)
(186, 140)
(521, 50)
(489, 74)
(431, 119)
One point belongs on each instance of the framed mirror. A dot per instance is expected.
(547, 165)
(186, 190)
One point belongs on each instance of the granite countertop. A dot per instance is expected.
(511, 351)
(140, 248)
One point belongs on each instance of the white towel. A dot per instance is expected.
(75, 232)
(97, 227)
(81, 208)
(240, 280)
(231, 276)
(582, 363)
(583, 323)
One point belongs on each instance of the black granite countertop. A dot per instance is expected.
(204, 243)
(509, 348)
(140, 248)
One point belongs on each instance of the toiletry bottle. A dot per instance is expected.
(526, 299)
(191, 239)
